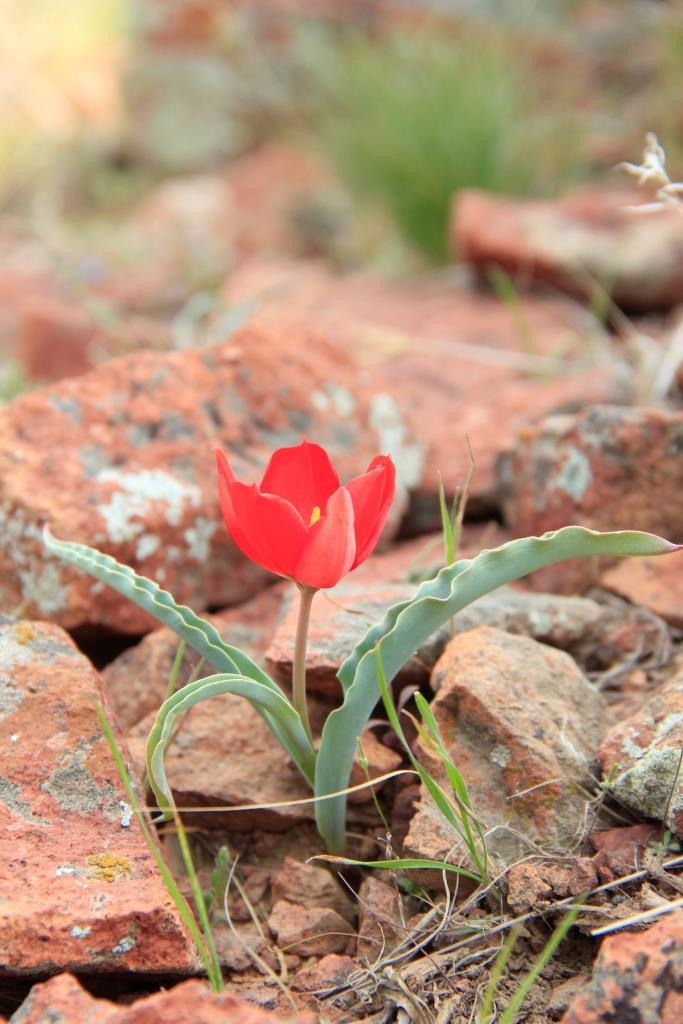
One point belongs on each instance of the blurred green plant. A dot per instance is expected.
(410, 119)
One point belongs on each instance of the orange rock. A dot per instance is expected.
(656, 583)
(590, 238)
(79, 889)
(521, 723)
(453, 362)
(190, 1001)
(121, 459)
(640, 757)
(58, 339)
(607, 468)
(638, 976)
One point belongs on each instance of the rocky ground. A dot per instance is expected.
(559, 698)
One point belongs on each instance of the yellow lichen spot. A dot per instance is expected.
(23, 632)
(315, 515)
(109, 867)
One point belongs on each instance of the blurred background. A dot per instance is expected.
(151, 150)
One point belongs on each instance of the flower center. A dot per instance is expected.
(315, 515)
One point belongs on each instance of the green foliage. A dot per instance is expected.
(411, 119)
(403, 630)
(203, 939)
(409, 624)
(456, 809)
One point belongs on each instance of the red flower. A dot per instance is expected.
(299, 522)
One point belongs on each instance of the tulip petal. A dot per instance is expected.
(271, 532)
(303, 475)
(331, 545)
(372, 494)
(264, 527)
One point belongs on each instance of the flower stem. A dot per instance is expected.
(299, 673)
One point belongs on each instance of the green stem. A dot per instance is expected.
(299, 670)
(215, 974)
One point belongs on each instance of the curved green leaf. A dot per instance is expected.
(271, 705)
(197, 632)
(409, 624)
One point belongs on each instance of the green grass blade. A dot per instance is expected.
(409, 624)
(509, 1015)
(407, 863)
(166, 875)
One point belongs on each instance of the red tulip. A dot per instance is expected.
(299, 522)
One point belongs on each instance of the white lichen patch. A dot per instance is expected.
(575, 476)
(393, 437)
(42, 588)
(124, 945)
(198, 538)
(646, 786)
(500, 755)
(80, 933)
(130, 508)
(146, 546)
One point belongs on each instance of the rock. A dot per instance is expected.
(600, 469)
(58, 339)
(313, 886)
(331, 971)
(517, 717)
(656, 583)
(619, 851)
(588, 239)
(531, 884)
(225, 756)
(92, 899)
(640, 757)
(62, 998)
(308, 931)
(379, 919)
(638, 976)
(432, 346)
(121, 459)
(589, 630)
(137, 680)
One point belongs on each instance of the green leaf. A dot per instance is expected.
(407, 863)
(261, 697)
(409, 624)
(197, 632)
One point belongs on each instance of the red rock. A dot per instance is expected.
(329, 972)
(225, 756)
(640, 757)
(599, 468)
(313, 886)
(586, 239)
(79, 889)
(638, 976)
(340, 618)
(433, 347)
(63, 998)
(517, 717)
(136, 681)
(308, 931)
(58, 339)
(621, 849)
(121, 459)
(532, 884)
(380, 928)
(656, 583)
